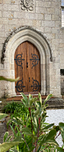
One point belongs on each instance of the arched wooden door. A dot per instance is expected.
(27, 67)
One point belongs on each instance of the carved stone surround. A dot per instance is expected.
(28, 34)
(27, 5)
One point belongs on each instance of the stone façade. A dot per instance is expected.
(45, 20)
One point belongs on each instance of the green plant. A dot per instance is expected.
(12, 107)
(5, 146)
(31, 133)
(36, 134)
(2, 115)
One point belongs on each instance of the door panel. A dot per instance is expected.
(27, 67)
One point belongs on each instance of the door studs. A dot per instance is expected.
(27, 65)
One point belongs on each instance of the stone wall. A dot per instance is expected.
(3, 129)
(44, 16)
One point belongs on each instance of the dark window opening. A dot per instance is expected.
(61, 71)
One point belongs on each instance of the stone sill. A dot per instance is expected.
(62, 28)
(55, 103)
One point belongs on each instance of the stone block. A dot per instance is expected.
(39, 16)
(50, 10)
(5, 21)
(6, 1)
(15, 8)
(15, 2)
(48, 24)
(48, 29)
(1, 21)
(0, 13)
(47, 17)
(13, 21)
(5, 7)
(8, 14)
(1, 7)
(40, 10)
(0, 1)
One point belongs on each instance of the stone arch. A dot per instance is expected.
(29, 34)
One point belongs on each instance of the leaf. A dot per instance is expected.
(30, 97)
(61, 125)
(40, 99)
(48, 137)
(7, 145)
(26, 131)
(25, 98)
(47, 98)
(8, 79)
(13, 150)
(2, 115)
(33, 100)
(6, 136)
(39, 149)
(60, 149)
(51, 134)
(13, 131)
(48, 126)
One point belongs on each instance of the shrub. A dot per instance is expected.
(11, 107)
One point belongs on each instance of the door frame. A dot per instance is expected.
(29, 34)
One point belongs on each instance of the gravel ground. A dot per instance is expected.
(56, 116)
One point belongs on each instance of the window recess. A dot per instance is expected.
(62, 72)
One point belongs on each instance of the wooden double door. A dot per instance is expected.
(27, 67)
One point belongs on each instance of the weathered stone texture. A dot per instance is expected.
(45, 17)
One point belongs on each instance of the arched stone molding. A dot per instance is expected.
(33, 36)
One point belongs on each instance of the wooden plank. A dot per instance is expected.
(23, 48)
(30, 73)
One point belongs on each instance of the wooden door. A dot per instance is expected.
(27, 67)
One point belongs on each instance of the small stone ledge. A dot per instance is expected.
(55, 103)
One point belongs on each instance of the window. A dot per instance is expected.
(62, 9)
(62, 72)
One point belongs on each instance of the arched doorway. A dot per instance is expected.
(27, 67)
(22, 35)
